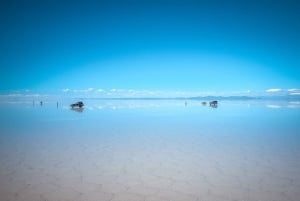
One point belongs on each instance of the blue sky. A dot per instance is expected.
(48, 46)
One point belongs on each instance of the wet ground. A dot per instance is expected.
(150, 151)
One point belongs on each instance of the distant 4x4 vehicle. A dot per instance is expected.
(79, 104)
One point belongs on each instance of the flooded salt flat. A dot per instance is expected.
(149, 150)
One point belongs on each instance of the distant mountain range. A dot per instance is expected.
(223, 98)
(285, 97)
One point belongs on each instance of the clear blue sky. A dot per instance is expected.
(150, 45)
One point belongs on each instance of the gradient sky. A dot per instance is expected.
(220, 45)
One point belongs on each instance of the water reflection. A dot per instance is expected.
(143, 104)
(77, 109)
(279, 105)
(147, 104)
(150, 150)
(101, 104)
(273, 106)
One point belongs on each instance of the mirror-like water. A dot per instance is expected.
(146, 150)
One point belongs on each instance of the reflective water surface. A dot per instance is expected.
(147, 150)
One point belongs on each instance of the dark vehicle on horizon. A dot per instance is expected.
(213, 104)
(79, 104)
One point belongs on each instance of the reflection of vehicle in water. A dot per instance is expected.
(79, 104)
(213, 104)
(77, 109)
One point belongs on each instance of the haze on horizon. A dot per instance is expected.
(49, 46)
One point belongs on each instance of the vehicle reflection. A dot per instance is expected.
(77, 109)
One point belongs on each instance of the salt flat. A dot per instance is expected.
(150, 150)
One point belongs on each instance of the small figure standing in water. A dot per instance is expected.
(185, 103)
(56, 104)
(41, 103)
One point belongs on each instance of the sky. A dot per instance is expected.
(159, 45)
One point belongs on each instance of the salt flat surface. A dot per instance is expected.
(142, 150)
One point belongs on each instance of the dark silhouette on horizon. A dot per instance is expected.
(213, 104)
(79, 104)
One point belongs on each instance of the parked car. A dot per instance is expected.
(79, 104)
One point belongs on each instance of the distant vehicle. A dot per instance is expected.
(213, 103)
(79, 104)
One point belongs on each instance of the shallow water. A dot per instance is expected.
(147, 150)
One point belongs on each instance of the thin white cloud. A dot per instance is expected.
(34, 95)
(294, 90)
(23, 95)
(13, 95)
(78, 90)
(132, 92)
(66, 90)
(273, 90)
(90, 89)
(119, 93)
